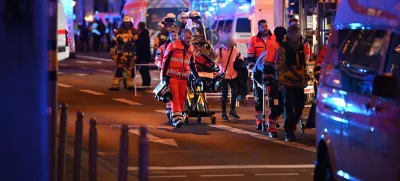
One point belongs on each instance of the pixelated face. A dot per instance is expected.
(263, 28)
(127, 24)
(173, 36)
(294, 23)
(187, 36)
(184, 20)
(294, 36)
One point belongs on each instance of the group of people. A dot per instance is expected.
(99, 32)
(278, 62)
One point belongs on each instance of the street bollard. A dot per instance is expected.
(143, 155)
(123, 154)
(62, 142)
(93, 150)
(78, 146)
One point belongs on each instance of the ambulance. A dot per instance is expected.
(358, 99)
(240, 21)
(63, 49)
(152, 12)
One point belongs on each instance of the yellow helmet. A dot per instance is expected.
(127, 19)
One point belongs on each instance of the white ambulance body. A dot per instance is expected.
(63, 49)
(153, 11)
(240, 21)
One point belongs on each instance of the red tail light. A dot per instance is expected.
(66, 37)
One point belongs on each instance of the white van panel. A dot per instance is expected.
(62, 49)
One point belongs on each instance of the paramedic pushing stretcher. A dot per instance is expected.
(264, 47)
(178, 64)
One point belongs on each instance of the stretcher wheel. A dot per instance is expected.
(199, 119)
(278, 125)
(264, 126)
(302, 128)
(213, 120)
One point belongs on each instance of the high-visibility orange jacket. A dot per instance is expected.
(179, 61)
(160, 54)
(257, 45)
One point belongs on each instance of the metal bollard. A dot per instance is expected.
(78, 146)
(143, 154)
(123, 154)
(62, 142)
(93, 150)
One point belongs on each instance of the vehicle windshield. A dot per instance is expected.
(243, 25)
(156, 15)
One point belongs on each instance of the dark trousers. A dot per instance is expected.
(96, 42)
(232, 83)
(146, 78)
(108, 41)
(83, 42)
(294, 105)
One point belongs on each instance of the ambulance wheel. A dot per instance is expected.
(199, 119)
(213, 119)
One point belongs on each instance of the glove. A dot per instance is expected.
(199, 82)
(282, 88)
(165, 80)
(251, 65)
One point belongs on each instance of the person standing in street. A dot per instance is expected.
(123, 52)
(178, 64)
(292, 75)
(143, 53)
(84, 37)
(229, 56)
(307, 50)
(108, 32)
(96, 36)
(258, 45)
(173, 36)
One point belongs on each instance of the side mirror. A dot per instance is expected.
(386, 86)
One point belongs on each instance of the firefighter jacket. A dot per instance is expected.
(124, 44)
(160, 54)
(164, 33)
(257, 45)
(318, 63)
(291, 65)
(179, 61)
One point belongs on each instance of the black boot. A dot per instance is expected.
(224, 116)
(259, 126)
(131, 88)
(289, 136)
(233, 114)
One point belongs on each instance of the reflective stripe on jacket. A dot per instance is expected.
(177, 56)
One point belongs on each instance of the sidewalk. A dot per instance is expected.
(106, 171)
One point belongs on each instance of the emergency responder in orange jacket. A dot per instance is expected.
(177, 65)
(173, 35)
(258, 43)
(123, 52)
(263, 46)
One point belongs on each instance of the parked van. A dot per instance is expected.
(63, 49)
(152, 12)
(240, 21)
(358, 103)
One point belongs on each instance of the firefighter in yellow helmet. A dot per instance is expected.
(123, 52)
(169, 24)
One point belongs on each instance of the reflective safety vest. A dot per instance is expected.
(178, 63)
(160, 55)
